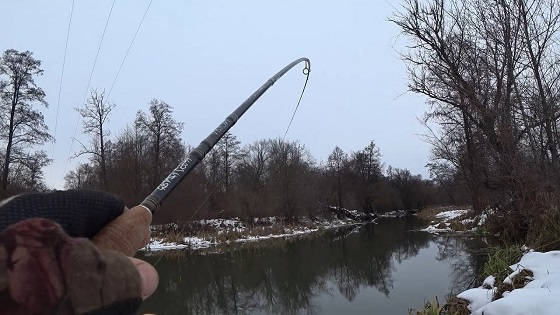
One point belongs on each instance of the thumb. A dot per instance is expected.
(127, 233)
(148, 276)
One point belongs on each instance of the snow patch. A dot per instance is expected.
(435, 229)
(489, 282)
(251, 238)
(477, 297)
(541, 296)
(451, 214)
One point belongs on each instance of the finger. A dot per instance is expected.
(148, 275)
(127, 233)
(81, 213)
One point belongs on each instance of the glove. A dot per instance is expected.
(81, 213)
(46, 266)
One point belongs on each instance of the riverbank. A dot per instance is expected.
(517, 280)
(452, 219)
(531, 286)
(203, 234)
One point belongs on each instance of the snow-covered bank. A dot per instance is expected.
(455, 220)
(215, 232)
(540, 296)
(189, 242)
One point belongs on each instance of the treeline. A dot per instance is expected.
(266, 178)
(490, 72)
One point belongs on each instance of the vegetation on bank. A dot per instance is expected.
(500, 257)
(496, 268)
(205, 233)
(490, 80)
(430, 308)
(489, 72)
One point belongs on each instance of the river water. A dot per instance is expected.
(383, 268)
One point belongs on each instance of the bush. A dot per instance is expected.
(544, 233)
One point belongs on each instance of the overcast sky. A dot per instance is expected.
(205, 57)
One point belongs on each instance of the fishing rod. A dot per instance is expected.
(154, 200)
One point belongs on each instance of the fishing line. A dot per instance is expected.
(62, 71)
(89, 82)
(306, 71)
(128, 49)
(153, 201)
(203, 203)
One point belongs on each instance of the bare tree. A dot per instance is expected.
(366, 163)
(491, 74)
(230, 150)
(337, 165)
(84, 177)
(21, 124)
(95, 116)
(163, 132)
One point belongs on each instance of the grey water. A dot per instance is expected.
(384, 268)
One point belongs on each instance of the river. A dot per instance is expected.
(383, 268)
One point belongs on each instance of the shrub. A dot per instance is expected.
(544, 233)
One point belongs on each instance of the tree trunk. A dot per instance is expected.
(103, 165)
(156, 158)
(7, 157)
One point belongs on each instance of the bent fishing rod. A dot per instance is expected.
(154, 200)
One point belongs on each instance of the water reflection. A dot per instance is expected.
(295, 276)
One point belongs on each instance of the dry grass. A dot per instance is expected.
(173, 237)
(457, 225)
(544, 232)
(456, 306)
(519, 281)
(430, 308)
(429, 213)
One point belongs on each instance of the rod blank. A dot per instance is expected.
(154, 200)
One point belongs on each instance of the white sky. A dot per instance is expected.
(205, 57)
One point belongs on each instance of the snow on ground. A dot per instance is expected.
(394, 214)
(435, 229)
(442, 226)
(252, 238)
(467, 221)
(477, 297)
(233, 224)
(451, 214)
(228, 225)
(541, 296)
(189, 242)
(489, 282)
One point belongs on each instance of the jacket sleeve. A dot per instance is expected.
(45, 271)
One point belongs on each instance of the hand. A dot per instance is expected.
(73, 272)
(127, 233)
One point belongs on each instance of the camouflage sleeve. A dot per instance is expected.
(45, 271)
